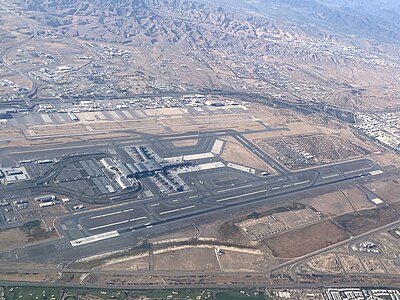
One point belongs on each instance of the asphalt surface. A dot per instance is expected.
(123, 225)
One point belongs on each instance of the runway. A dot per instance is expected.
(164, 209)
(213, 194)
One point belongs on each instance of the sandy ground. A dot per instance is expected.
(372, 265)
(388, 191)
(234, 152)
(351, 263)
(11, 238)
(233, 261)
(325, 263)
(186, 260)
(392, 265)
(332, 204)
(305, 240)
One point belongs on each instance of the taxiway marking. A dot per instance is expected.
(349, 172)
(176, 210)
(117, 223)
(111, 214)
(330, 176)
(235, 188)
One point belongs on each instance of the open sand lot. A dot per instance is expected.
(12, 238)
(138, 263)
(372, 265)
(358, 199)
(365, 220)
(164, 112)
(234, 152)
(188, 259)
(351, 263)
(234, 261)
(57, 129)
(392, 265)
(340, 202)
(388, 191)
(305, 240)
(332, 204)
(325, 263)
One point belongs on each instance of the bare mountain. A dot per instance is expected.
(341, 52)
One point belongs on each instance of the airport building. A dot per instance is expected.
(13, 174)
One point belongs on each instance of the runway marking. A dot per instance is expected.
(127, 210)
(110, 214)
(287, 185)
(177, 193)
(117, 223)
(55, 149)
(243, 141)
(301, 182)
(331, 176)
(94, 238)
(235, 188)
(155, 204)
(243, 195)
(176, 210)
(376, 172)
(349, 172)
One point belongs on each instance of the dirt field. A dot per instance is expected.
(234, 261)
(388, 191)
(392, 265)
(358, 199)
(372, 265)
(325, 263)
(12, 238)
(134, 264)
(363, 221)
(351, 263)
(234, 152)
(192, 259)
(305, 240)
(332, 204)
(57, 129)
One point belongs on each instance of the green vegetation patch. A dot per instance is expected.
(239, 295)
(31, 293)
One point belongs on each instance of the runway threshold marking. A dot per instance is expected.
(176, 210)
(94, 238)
(376, 172)
(117, 223)
(235, 188)
(111, 214)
